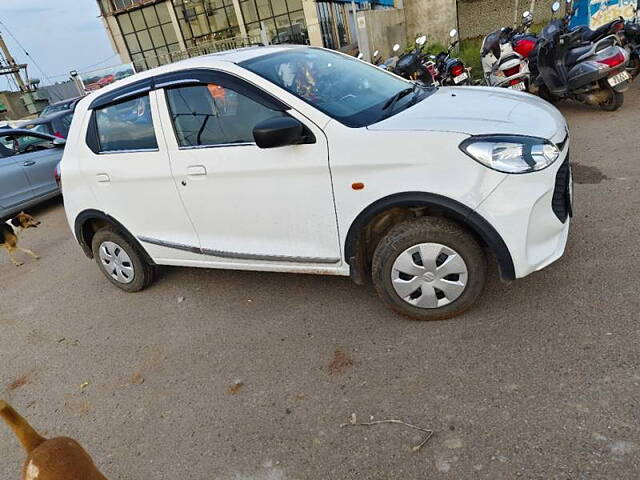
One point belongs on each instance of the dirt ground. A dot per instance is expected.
(242, 375)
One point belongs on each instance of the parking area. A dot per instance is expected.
(248, 375)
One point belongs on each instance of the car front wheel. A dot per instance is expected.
(429, 269)
(120, 261)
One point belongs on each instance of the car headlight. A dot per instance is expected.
(511, 153)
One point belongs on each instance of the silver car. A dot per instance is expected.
(28, 161)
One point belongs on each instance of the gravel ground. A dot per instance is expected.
(241, 375)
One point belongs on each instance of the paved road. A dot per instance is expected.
(541, 380)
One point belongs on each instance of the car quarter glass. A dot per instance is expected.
(210, 115)
(126, 126)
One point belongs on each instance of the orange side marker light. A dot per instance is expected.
(357, 186)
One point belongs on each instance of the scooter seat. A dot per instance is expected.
(575, 53)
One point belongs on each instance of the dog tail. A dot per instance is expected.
(29, 438)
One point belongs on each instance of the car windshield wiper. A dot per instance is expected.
(401, 94)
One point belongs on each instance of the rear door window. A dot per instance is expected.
(126, 126)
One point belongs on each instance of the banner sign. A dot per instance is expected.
(595, 13)
(97, 79)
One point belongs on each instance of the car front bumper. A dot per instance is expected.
(532, 213)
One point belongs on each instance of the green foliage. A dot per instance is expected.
(470, 54)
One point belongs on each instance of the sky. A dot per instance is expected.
(60, 35)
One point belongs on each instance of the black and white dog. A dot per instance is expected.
(9, 235)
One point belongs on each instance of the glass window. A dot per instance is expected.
(354, 93)
(231, 15)
(218, 20)
(299, 28)
(205, 115)
(125, 23)
(294, 5)
(17, 144)
(126, 126)
(163, 13)
(264, 8)
(249, 12)
(156, 37)
(138, 20)
(169, 33)
(145, 40)
(279, 7)
(150, 16)
(132, 43)
(65, 124)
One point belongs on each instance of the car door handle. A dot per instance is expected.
(103, 178)
(196, 170)
(28, 163)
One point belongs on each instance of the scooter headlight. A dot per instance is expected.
(511, 153)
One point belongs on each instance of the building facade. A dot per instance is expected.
(149, 33)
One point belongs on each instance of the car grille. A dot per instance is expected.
(561, 202)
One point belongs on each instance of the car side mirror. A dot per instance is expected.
(281, 131)
(59, 142)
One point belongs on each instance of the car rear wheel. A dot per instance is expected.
(429, 269)
(120, 261)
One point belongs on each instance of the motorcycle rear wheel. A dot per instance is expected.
(614, 102)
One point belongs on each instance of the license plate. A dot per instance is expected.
(460, 78)
(619, 78)
(520, 86)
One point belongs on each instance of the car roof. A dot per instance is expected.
(210, 60)
(47, 119)
(64, 102)
(5, 132)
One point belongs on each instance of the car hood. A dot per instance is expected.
(480, 111)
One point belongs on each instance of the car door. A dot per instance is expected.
(15, 188)
(246, 203)
(128, 168)
(39, 162)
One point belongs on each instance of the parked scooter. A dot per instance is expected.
(448, 70)
(627, 32)
(412, 65)
(594, 73)
(391, 62)
(506, 54)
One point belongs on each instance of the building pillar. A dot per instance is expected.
(116, 38)
(176, 26)
(240, 17)
(313, 23)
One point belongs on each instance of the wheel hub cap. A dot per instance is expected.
(429, 275)
(116, 262)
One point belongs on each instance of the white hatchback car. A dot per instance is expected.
(298, 159)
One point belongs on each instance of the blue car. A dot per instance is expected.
(28, 161)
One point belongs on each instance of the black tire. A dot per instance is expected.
(143, 273)
(634, 66)
(614, 103)
(429, 230)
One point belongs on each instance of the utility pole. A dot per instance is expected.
(12, 68)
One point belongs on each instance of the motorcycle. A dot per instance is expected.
(506, 56)
(412, 65)
(593, 74)
(447, 70)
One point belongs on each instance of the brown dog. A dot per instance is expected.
(55, 459)
(9, 235)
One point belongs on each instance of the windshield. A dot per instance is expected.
(353, 92)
